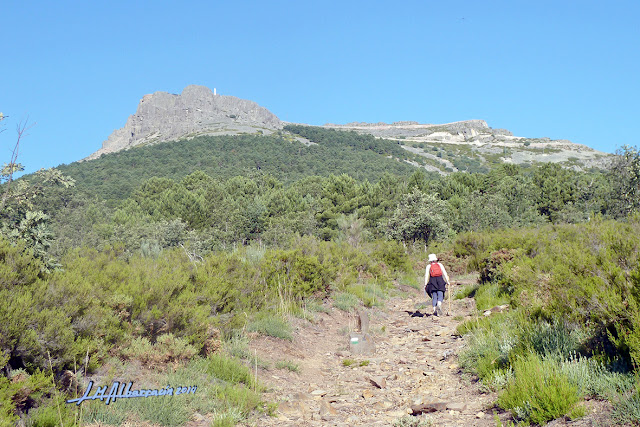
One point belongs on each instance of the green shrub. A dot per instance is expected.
(393, 255)
(539, 392)
(227, 418)
(22, 391)
(52, 413)
(549, 338)
(490, 266)
(315, 306)
(370, 294)
(167, 348)
(490, 295)
(490, 345)
(626, 409)
(594, 379)
(226, 369)
(271, 325)
(345, 301)
(468, 291)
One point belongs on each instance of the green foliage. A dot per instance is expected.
(490, 345)
(116, 176)
(489, 296)
(23, 391)
(624, 174)
(345, 301)
(271, 325)
(626, 409)
(572, 290)
(419, 217)
(19, 220)
(393, 255)
(370, 294)
(468, 291)
(595, 379)
(225, 388)
(167, 348)
(52, 413)
(539, 392)
(227, 369)
(490, 266)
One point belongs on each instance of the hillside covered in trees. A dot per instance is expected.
(148, 251)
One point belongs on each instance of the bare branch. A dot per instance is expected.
(21, 128)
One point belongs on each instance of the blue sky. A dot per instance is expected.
(560, 69)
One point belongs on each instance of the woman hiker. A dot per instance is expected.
(435, 283)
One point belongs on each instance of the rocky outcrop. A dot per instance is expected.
(475, 139)
(162, 116)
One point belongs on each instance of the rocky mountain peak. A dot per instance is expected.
(162, 116)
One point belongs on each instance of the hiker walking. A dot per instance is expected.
(435, 283)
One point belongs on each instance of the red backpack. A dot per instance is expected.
(435, 270)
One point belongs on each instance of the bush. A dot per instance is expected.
(594, 379)
(227, 369)
(490, 266)
(490, 345)
(370, 294)
(271, 325)
(626, 409)
(393, 255)
(539, 392)
(490, 295)
(345, 301)
(167, 348)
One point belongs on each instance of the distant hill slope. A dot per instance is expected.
(461, 145)
(115, 176)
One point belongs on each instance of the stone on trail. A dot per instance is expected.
(363, 321)
(457, 406)
(294, 409)
(361, 344)
(327, 409)
(367, 394)
(426, 408)
(379, 382)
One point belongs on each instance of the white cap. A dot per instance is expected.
(433, 257)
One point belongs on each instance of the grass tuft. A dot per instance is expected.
(271, 325)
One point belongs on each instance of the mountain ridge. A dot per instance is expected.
(197, 111)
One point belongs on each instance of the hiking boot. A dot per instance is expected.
(439, 310)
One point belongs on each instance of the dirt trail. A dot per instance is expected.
(415, 356)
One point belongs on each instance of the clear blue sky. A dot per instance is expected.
(561, 69)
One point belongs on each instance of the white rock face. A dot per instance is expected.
(197, 111)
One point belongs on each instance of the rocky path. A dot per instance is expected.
(414, 366)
